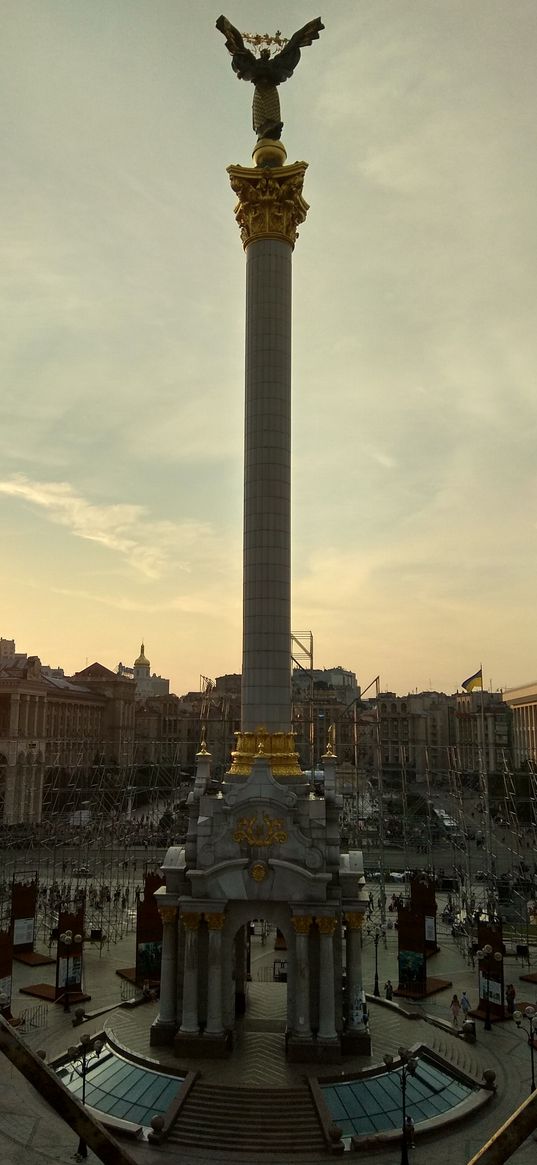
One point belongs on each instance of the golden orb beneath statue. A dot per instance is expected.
(269, 152)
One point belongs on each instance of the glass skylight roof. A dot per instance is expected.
(119, 1088)
(374, 1103)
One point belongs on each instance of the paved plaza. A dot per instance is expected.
(31, 1134)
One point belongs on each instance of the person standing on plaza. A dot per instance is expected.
(510, 995)
(409, 1133)
(455, 1008)
(465, 1005)
(388, 990)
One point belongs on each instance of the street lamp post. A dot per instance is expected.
(67, 939)
(409, 1064)
(485, 957)
(529, 1014)
(377, 933)
(79, 1057)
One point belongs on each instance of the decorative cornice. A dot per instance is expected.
(270, 203)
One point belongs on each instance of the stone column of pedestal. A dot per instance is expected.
(215, 923)
(270, 208)
(354, 984)
(302, 1026)
(190, 1021)
(327, 1002)
(168, 966)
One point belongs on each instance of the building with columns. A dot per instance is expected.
(262, 844)
(53, 727)
(523, 704)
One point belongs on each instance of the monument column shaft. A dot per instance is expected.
(266, 666)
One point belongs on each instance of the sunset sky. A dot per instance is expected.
(122, 336)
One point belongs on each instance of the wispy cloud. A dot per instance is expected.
(127, 529)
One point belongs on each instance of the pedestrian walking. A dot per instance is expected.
(465, 1004)
(510, 995)
(455, 1008)
(388, 989)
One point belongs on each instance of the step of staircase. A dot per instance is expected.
(243, 1120)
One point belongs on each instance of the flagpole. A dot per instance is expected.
(486, 801)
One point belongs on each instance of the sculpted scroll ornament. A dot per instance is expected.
(270, 831)
(270, 201)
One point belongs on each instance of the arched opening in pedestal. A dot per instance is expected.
(261, 970)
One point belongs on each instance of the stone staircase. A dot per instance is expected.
(254, 1120)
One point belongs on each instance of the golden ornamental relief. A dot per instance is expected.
(167, 913)
(327, 925)
(215, 921)
(354, 920)
(258, 871)
(190, 921)
(270, 201)
(302, 923)
(278, 748)
(270, 831)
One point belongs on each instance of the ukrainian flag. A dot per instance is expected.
(475, 681)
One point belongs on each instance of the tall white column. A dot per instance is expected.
(190, 1022)
(354, 982)
(302, 1024)
(215, 923)
(327, 1002)
(168, 966)
(269, 211)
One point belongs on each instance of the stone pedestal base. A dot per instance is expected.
(203, 1047)
(162, 1033)
(356, 1044)
(301, 1051)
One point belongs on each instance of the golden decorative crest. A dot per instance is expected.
(270, 831)
(258, 871)
(270, 203)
